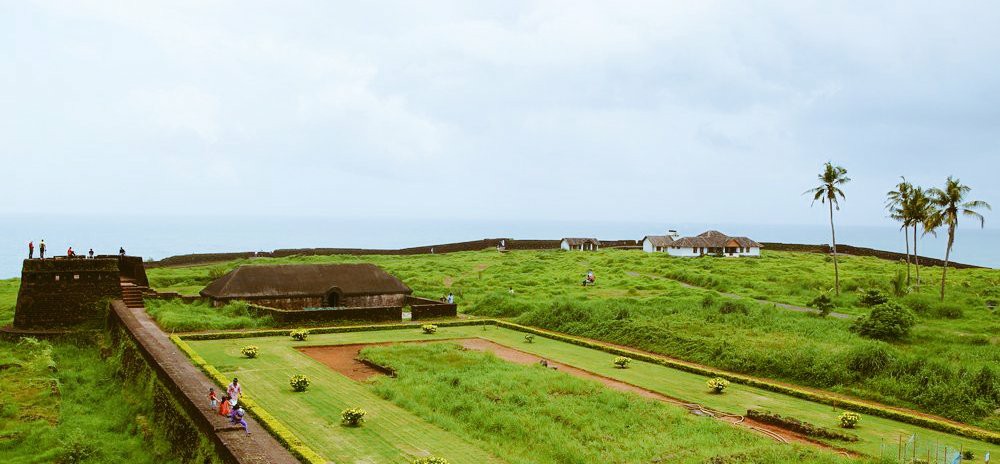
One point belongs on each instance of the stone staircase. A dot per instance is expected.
(132, 294)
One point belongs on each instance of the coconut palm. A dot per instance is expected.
(919, 210)
(896, 202)
(949, 203)
(828, 190)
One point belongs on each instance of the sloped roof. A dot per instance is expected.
(659, 240)
(581, 241)
(304, 280)
(713, 239)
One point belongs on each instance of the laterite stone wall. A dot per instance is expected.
(65, 292)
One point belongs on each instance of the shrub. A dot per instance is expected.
(872, 297)
(919, 303)
(299, 382)
(968, 455)
(76, 447)
(869, 358)
(708, 301)
(529, 338)
(823, 303)
(431, 460)
(888, 321)
(797, 425)
(249, 351)
(733, 306)
(622, 362)
(849, 420)
(429, 328)
(299, 335)
(353, 417)
(948, 311)
(898, 284)
(718, 384)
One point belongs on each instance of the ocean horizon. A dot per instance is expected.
(158, 237)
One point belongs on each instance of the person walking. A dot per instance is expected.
(31, 250)
(41, 249)
(234, 391)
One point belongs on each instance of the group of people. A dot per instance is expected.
(70, 253)
(449, 298)
(589, 278)
(229, 405)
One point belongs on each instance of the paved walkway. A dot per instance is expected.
(258, 448)
(790, 307)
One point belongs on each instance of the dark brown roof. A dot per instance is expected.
(713, 239)
(304, 280)
(659, 240)
(581, 241)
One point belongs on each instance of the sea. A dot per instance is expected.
(158, 237)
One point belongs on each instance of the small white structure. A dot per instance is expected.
(659, 243)
(713, 242)
(580, 244)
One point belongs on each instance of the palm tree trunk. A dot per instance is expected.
(947, 253)
(906, 235)
(836, 270)
(916, 257)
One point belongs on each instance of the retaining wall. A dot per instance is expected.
(373, 314)
(424, 308)
(862, 251)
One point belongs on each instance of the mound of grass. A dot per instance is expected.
(177, 316)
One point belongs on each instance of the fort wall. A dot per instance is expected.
(63, 293)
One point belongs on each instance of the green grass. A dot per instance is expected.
(530, 414)
(8, 299)
(54, 396)
(946, 367)
(279, 361)
(176, 316)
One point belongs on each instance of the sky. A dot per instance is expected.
(682, 112)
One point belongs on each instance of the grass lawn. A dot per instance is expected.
(947, 366)
(314, 415)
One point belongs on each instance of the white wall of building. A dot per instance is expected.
(564, 245)
(647, 245)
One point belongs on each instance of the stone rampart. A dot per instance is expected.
(65, 292)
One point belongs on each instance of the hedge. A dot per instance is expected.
(265, 419)
(325, 330)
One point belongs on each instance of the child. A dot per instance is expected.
(236, 417)
(224, 407)
(213, 400)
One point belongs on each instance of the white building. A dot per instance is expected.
(659, 243)
(713, 242)
(580, 244)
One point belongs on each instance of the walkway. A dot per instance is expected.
(790, 307)
(258, 448)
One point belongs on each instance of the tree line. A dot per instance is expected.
(923, 210)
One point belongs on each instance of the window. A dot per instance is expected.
(76, 276)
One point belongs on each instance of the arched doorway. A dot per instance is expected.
(332, 299)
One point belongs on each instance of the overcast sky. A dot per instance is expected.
(618, 111)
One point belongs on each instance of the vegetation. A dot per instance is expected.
(831, 179)
(249, 351)
(717, 384)
(299, 382)
(887, 321)
(849, 420)
(175, 315)
(62, 401)
(299, 335)
(622, 362)
(641, 303)
(483, 398)
(431, 460)
(429, 328)
(353, 417)
(949, 203)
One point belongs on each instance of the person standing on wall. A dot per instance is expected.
(451, 298)
(31, 249)
(41, 249)
(91, 253)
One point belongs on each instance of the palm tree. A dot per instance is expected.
(919, 210)
(828, 190)
(949, 203)
(896, 202)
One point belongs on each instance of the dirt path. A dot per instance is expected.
(343, 359)
(790, 307)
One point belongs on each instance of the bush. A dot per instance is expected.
(353, 417)
(529, 338)
(888, 321)
(968, 455)
(823, 303)
(708, 301)
(299, 335)
(622, 362)
(76, 447)
(718, 384)
(429, 328)
(249, 351)
(898, 284)
(299, 382)
(920, 303)
(870, 358)
(872, 297)
(733, 306)
(849, 420)
(948, 311)
(431, 460)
